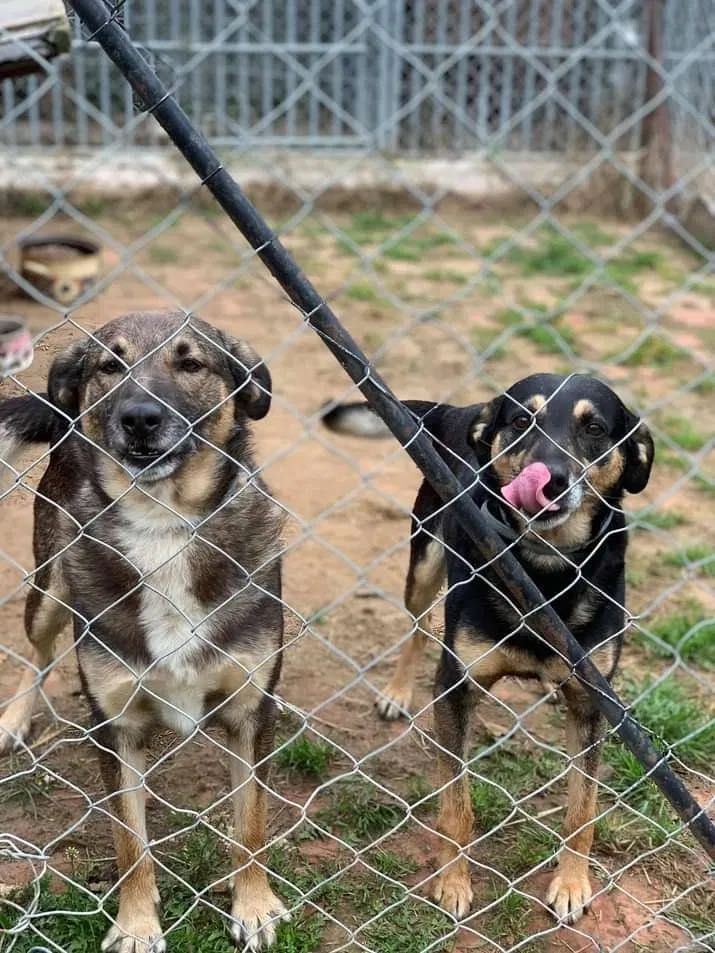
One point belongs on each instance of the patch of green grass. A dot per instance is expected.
(518, 769)
(93, 206)
(549, 339)
(71, 919)
(491, 805)
(706, 385)
(306, 757)
(163, 254)
(622, 270)
(696, 912)
(361, 291)
(507, 922)
(203, 930)
(592, 234)
(295, 876)
(635, 577)
(533, 846)
(371, 227)
(483, 340)
(672, 717)
(653, 519)
(508, 775)
(445, 275)
(200, 860)
(403, 923)
(415, 247)
(704, 484)
(684, 433)
(677, 631)
(666, 458)
(359, 813)
(25, 204)
(621, 830)
(695, 553)
(704, 286)
(554, 255)
(197, 854)
(548, 336)
(393, 865)
(418, 788)
(655, 351)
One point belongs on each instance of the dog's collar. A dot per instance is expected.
(530, 541)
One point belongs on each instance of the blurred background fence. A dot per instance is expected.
(481, 190)
(414, 76)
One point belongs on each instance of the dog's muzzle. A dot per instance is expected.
(544, 494)
(150, 441)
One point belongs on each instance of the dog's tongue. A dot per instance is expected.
(526, 492)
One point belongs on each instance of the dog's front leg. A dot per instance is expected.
(256, 911)
(455, 700)
(569, 893)
(137, 928)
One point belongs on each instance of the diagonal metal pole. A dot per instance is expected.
(156, 99)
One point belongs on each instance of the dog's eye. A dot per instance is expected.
(594, 429)
(522, 422)
(112, 366)
(191, 365)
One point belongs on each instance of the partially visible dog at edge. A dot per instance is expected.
(548, 462)
(155, 537)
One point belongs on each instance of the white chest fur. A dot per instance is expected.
(160, 545)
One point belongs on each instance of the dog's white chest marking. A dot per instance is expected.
(175, 623)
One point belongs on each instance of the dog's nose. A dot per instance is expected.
(557, 484)
(141, 418)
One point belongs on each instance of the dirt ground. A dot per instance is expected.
(346, 538)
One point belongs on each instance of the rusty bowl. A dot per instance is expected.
(62, 267)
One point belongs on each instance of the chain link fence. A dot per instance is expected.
(491, 191)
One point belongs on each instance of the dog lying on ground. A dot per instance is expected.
(153, 533)
(554, 456)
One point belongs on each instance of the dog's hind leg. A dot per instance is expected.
(256, 911)
(569, 892)
(136, 928)
(46, 612)
(424, 579)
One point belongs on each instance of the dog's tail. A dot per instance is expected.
(359, 420)
(24, 421)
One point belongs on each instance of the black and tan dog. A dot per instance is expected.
(155, 536)
(548, 462)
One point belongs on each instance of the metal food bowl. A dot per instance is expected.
(60, 266)
(16, 351)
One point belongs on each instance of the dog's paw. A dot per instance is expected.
(255, 920)
(452, 890)
(14, 730)
(569, 895)
(394, 702)
(138, 933)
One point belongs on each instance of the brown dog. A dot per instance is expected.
(154, 535)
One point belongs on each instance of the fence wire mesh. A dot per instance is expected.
(171, 583)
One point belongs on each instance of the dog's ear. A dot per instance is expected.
(64, 379)
(483, 428)
(639, 451)
(251, 378)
